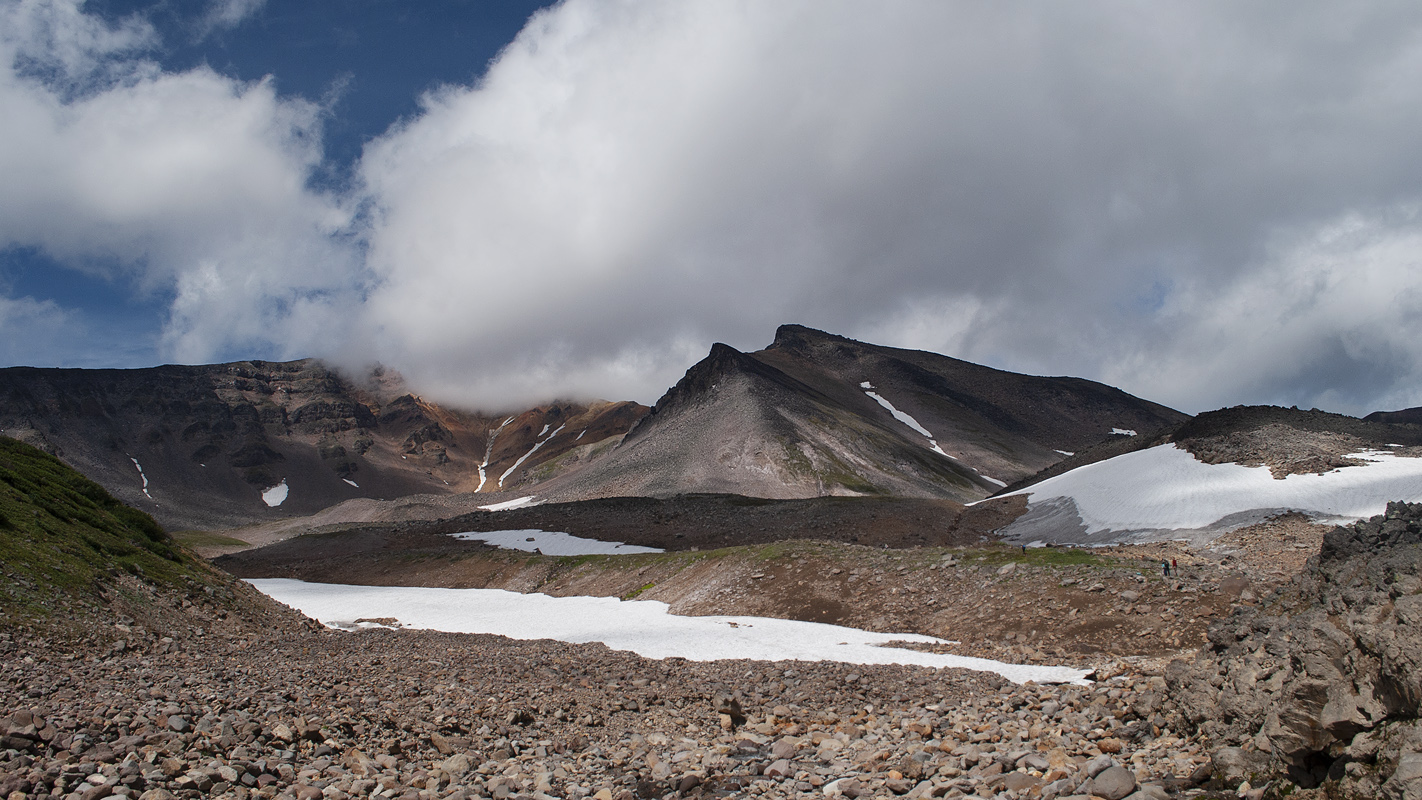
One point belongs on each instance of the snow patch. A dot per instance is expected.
(1167, 488)
(276, 495)
(508, 504)
(553, 543)
(1066, 453)
(1122, 432)
(993, 481)
(525, 456)
(488, 452)
(899, 415)
(866, 385)
(144, 477)
(351, 482)
(642, 626)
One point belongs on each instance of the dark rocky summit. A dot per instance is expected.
(1321, 683)
(811, 415)
(1407, 416)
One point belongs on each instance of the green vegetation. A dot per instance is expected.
(63, 538)
(206, 539)
(632, 595)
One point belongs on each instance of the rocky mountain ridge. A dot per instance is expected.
(201, 446)
(817, 414)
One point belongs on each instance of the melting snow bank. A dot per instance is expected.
(508, 504)
(1165, 488)
(642, 626)
(553, 543)
(276, 495)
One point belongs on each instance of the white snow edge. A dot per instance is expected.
(276, 495)
(508, 504)
(644, 627)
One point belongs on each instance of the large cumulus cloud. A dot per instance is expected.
(188, 185)
(1205, 203)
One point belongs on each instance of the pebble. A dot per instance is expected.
(282, 711)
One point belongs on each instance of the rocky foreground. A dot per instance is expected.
(1321, 683)
(298, 713)
(127, 667)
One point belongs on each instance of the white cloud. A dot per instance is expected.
(1331, 318)
(1207, 203)
(638, 172)
(33, 332)
(56, 38)
(191, 184)
(229, 13)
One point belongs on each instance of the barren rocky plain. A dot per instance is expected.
(1282, 659)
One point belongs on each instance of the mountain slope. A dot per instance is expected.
(818, 414)
(1004, 424)
(1406, 416)
(73, 557)
(204, 446)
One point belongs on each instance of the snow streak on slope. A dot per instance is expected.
(525, 456)
(1167, 488)
(904, 418)
(488, 452)
(898, 415)
(913, 423)
(641, 626)
(141, 475)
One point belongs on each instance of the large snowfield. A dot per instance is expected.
(1166, 488)
(642, 626)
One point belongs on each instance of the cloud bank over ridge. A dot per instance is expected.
(1202, 203)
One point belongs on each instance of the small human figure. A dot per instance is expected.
(1174, 567)
(1165, 568)
(1024, 549)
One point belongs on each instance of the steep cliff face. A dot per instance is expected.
(225, 444)
(1322, 682)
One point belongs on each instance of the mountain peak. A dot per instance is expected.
(790, 336)
(723, 360)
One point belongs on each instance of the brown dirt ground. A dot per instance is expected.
(1084, 607)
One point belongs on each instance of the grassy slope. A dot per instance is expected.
(64, 539)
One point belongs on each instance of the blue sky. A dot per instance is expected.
(372, 58)
(1202, 203)
(366, 61)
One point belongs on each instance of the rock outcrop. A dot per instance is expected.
(1321, 682)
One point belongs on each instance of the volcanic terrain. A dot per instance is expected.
(1234, 641)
